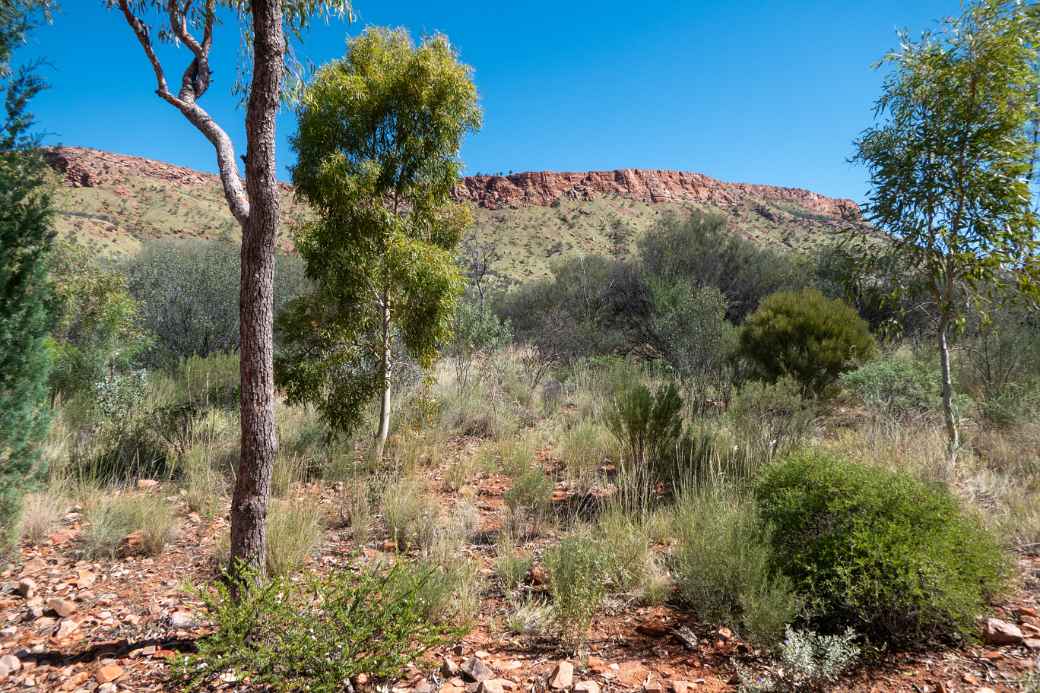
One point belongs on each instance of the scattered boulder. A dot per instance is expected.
(181, 619)
(9, 664)
(586, 687)
(490, 686)
(997, 632)
(26, 587)
(562, 677)
(62, 607)
(682, 686)
(476, 670)
(108, 673)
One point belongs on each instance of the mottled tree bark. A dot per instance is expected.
(256, 298)
(255, 206)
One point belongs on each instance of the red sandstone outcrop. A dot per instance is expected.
(84, 167)
(543, 188)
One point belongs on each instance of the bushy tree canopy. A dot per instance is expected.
(807, 336)
(378, 143)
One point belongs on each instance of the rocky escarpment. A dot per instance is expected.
(650, 186)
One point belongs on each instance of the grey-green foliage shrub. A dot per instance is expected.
(315, 634)
(188, 295)
(808, 662)
(702, 250)
(892, 557)
(804, 335)
(723, 568)
(691, 332)
(576, 567)
(896, 386)
(96, 330)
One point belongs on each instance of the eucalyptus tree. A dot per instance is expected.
(191, 25)
(378, 160)
(950, 165)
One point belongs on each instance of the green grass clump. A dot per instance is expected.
(894, 558)
(576, 567)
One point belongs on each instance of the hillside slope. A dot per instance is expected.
(114, 202)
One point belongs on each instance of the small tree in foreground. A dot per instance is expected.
(950, 166)
(378, 145)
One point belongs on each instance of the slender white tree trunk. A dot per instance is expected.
(952, 435)
(387, 368)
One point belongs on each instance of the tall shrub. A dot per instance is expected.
(807, 336)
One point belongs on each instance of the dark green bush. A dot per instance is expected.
(807, 336)
(318, 634)
(892, 557)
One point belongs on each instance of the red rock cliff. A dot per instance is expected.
(543, 188)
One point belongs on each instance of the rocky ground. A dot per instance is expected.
(75, 625)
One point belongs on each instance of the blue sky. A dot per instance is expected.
(765, 91)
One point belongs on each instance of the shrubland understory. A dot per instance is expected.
(812, 511)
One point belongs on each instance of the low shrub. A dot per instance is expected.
(510, 566)
(529, 617)
(411, 513)
(722, 568)
(807, 336)
(773, 417)
(576, 567)
(146, 521)
(896, 386)
(808, 662)
(41, 512)
(878, 551)
(629, 555)
(294, 529)
(316, 634)
(648, 426)
(529, 500)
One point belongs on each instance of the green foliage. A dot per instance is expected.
(529, 498)
(700, 251)
(316, 634)
(187, 293)
(952, 166)
(896, 386)
(576, 566)
(378, 142)
(96, 330)
(723, 568)
(25, 241)
(776, 413)
(691, 331)
(648, 426)
(889, 556)
(806, 336)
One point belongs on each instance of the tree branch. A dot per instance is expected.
(234, 191)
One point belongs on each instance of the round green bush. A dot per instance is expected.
(807, 336)
(892, 557)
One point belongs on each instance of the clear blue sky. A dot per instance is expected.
(765, 91)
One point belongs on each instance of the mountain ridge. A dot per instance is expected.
(114, 202)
